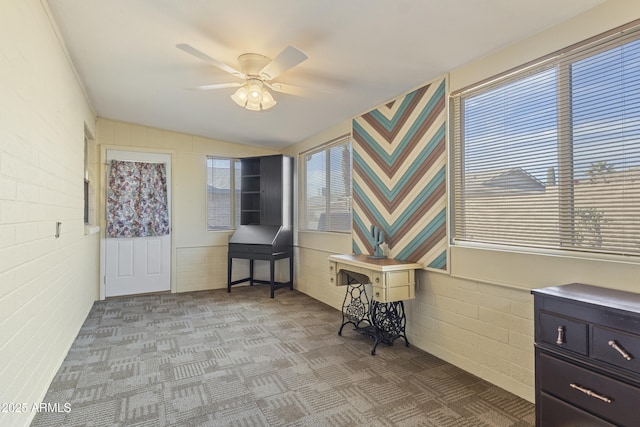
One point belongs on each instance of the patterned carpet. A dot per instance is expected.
(243, 359)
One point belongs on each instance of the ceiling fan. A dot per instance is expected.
(257, 71)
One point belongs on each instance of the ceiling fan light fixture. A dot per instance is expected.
(241, 95)
(255, 91)
(267, 99)
(253, 106)
(258, 71)
(253, 96)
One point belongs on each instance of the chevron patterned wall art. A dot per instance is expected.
(399, 177)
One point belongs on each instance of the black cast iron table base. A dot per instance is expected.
(384, 322)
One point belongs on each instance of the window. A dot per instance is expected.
(327, 188)
(223, 193)
(86, 181)
(549, 155)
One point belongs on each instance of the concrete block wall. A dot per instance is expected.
(201, 268)
(47, 284)
(484, 328)
(312, 277)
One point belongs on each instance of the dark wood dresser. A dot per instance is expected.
(587, 356)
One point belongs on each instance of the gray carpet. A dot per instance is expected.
(243, 359)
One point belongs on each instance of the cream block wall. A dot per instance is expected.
(484, 328)
(201, 268)
(199, 257)
(311, 278)
(47, 285)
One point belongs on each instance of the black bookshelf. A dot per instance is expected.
(266, 217)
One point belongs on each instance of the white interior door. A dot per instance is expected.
(139, 264)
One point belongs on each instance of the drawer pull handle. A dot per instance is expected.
(591, 393)
(560, 339)
(377, 280)
(620, 350)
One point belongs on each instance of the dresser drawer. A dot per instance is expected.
(616, 347)
(612, 400)
(393, 278)
(333, 273)
(569, 334)
(377, 278)
(555, 412)
(391, 294)
(379, 294)
(333, 280)
(332, 268)
(400, 278)
(404, 292)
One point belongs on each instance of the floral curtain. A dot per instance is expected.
(137, 200)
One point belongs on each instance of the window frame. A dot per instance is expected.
(234, 201)
(562, 62)
(86, 183)
(326, 147)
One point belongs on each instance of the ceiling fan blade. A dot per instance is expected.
(288, 89)
(217, 86)
(206, 58)
(287, 59)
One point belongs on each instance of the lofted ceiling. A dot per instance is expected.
(362, 53)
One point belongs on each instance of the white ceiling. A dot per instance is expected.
(362, 53)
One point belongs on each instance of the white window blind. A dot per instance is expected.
(223, 193)
(549, 156)
(327, 190)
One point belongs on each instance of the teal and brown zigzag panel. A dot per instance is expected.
(399, 177)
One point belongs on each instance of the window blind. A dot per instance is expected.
(327, 190)
(549, 155)
(223, 193)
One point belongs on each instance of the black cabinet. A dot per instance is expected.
(266, 217)
(266, 190)
(587, 353)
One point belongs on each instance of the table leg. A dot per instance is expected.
(251, 272)
(389, 320)
(229, 264)
(291, 271)
(355, 306)
(272, 276)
